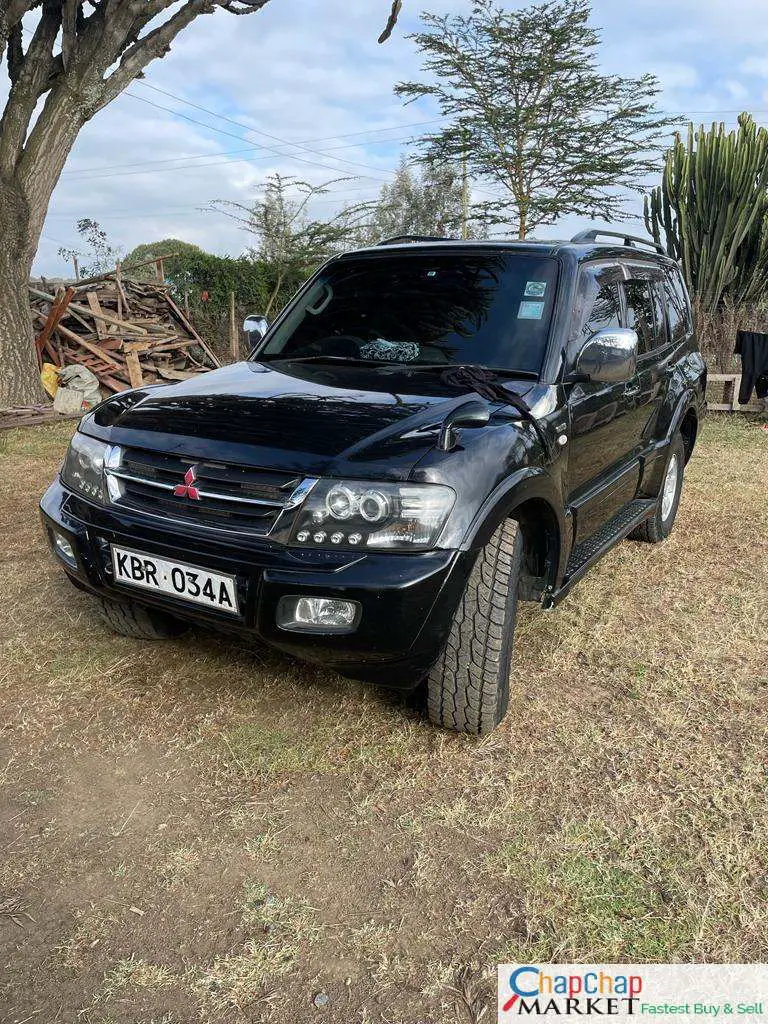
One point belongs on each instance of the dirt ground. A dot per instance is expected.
(199, 830)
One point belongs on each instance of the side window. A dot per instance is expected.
(659, 308)
(601, 306)
(680, 323)
(640, 312)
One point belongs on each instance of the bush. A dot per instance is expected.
(203, 283)
(717, 331)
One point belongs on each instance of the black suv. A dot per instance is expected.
(430, 430)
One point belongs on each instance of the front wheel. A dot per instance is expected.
(659, 526)
(468, 686)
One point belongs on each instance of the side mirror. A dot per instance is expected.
(255, 327)
(609, 357)
(470, 414)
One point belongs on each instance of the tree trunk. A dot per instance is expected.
(19, 376)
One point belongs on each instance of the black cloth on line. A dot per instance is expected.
(753, 349)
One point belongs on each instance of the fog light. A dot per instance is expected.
(63, 548)
(317, 614)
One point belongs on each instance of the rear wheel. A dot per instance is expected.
(659, 526)
(468, 687)
(130, 619)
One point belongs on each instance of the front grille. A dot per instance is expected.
(229, 497)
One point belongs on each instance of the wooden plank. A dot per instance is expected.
(123, 296)
(134, 369)
(113, 384)
(176, 374)
(109, 274)
(98, 313)
(54, 355)
(125, 324)
(79, 340)
(57, 311)
(187, 324)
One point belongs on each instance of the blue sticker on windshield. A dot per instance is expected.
(531, 311)
(535, 289)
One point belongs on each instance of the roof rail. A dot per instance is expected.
(396, 239)
(629, 240)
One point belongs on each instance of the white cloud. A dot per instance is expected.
(311, 69)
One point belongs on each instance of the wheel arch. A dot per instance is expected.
(534, 504)
(685, 419)
(689, 428)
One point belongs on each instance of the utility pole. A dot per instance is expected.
(76, 265)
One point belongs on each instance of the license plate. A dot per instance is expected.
(187, 582)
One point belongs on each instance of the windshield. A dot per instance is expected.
(485, 308)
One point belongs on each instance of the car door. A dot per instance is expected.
(605, 420)
(645, 311)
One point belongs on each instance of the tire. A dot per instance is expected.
(468, 686)
(659, 526)
(130, 619)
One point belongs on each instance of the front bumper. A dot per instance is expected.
(407, 601)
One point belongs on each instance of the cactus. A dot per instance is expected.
(711, 211)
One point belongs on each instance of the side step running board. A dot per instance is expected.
(591, 550)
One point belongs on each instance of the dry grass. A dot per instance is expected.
(227, 842)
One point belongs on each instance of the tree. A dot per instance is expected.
(429, 201)
(75, 63)
(711, 212)
(101, 255)
(527, 108)
(163, 249)
(290, 243)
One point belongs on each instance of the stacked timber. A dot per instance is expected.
(127, 332)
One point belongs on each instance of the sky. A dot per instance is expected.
(303, 88)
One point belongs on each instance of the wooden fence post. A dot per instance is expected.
(234, 338)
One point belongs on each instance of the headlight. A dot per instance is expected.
(83, 469)
(362, 514)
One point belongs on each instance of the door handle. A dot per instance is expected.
(631, 389)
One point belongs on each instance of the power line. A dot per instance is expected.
(150, 166)
(253, 149)
(221, 131)
(248, 128)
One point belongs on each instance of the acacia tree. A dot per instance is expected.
(76, 59)
(290, 242)
(526, 106)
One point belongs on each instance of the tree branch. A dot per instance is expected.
(397, 6)
(69, 12)
(155, 44)
(30, 76)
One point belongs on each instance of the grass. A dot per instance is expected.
(225, 841)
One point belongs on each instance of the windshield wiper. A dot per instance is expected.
(347, 360)
(497, 371)
(352, 361)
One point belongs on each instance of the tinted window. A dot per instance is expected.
(605, 311)
(677, 307)
(640, 312)
(597, 306)
(659, 307)
(425, 307)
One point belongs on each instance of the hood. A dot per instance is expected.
(304, 417)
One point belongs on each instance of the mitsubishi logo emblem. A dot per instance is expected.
(188, 489)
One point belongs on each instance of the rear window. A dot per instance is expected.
(485, 308)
